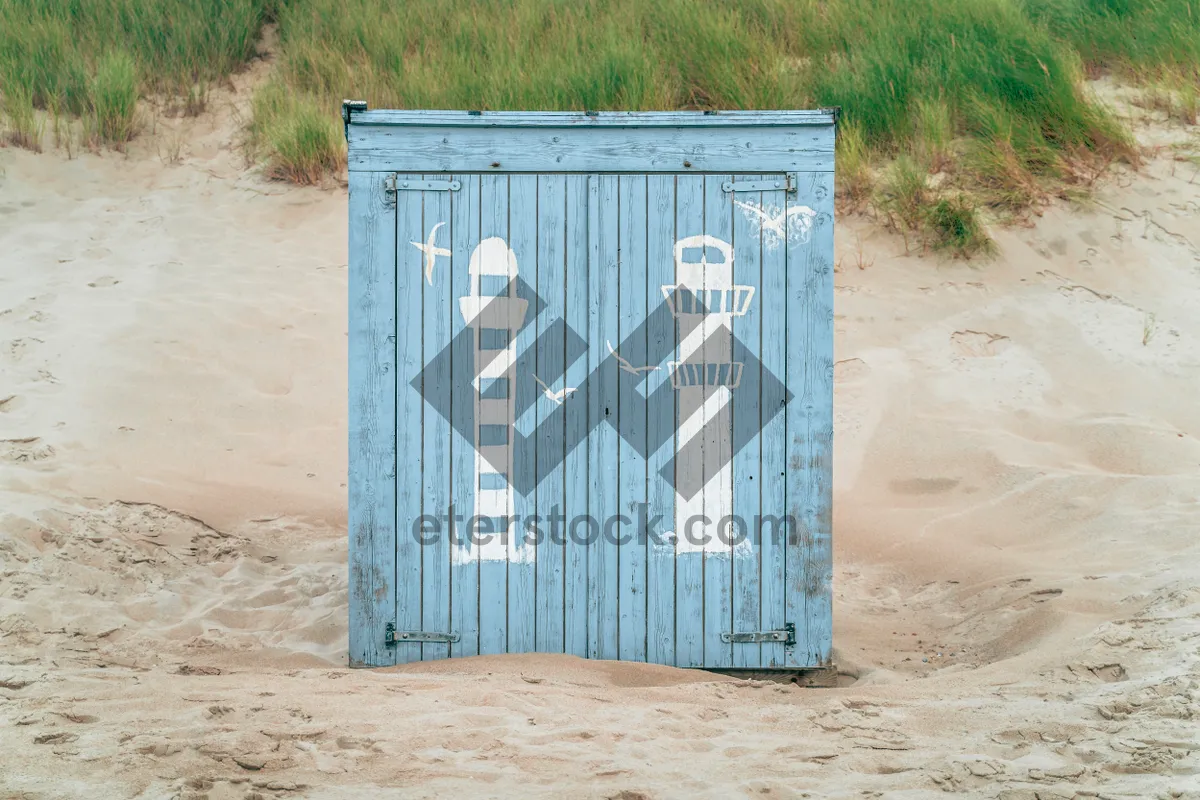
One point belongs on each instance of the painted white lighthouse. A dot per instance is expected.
(495, 314)
(707, 300)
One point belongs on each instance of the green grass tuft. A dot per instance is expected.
(302, 142)
(77, 56)
(855, 177)
(953, 224)
(24, 127)
(114, 96)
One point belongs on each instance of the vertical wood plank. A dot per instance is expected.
(631, 405)
(550, 364)
(689, 566)
(773, 438)
(493, 573)
(747, 424)
(372, 418)
(523, 239)
(437, 323)
(439, 309)
(576, 465)
(410, 482)
(464, 574)
(602, 413)
(718, 443)
(660, 422)
(810, 425)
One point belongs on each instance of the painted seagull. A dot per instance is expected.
(625, 365)
(775, 223)
(431, 252)
(558, 396)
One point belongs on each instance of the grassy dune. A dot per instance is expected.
(986, 95)
(94, 58)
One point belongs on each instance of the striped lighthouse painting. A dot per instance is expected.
(494, 313)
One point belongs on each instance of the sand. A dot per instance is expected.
(1017, 519)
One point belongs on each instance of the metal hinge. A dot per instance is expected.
(787, 183)
(391, 184)
(393, 637)
(787, 635)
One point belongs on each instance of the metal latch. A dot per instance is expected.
(787, 183)
(391, 184)
(787, 635)
(393, 637)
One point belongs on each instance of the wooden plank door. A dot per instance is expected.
(608, 394)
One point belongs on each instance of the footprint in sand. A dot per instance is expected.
(30, 450)
(104, 282)
(979, 344)
(17, 349)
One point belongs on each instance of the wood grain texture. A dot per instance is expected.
(718, 456)
(410, 480)
(661, 336)
(438, 311)
(602, 119)
(631, 411)
(523, 221)
(810, 427)
(634, 150)
(576, 466)
(775, 343)
(493, 573)
(372, 416)
(746, 407)
(689, 566)
(602, 414)
(550, 363)
(464, 572)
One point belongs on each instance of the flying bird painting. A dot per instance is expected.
(775, 222)
(431, 251)
(625, 365)
(558, 396)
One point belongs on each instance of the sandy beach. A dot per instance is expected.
(1017, 525)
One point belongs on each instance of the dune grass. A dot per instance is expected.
(979, 91)
(981, 100)
(95, 58)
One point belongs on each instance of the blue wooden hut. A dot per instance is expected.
(591, 386)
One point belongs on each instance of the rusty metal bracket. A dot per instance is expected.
(787, 635)
(393, 637)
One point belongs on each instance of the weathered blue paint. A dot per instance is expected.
(493, 573)
(464, 558)
(661, 335)
(522, 566)
(551, 361)
(689, 566)
(810, 429)
(602, 400)
(437, 315)
(718, 459)
(576, 467)
(591, 208)
(747, 421)
(410, 475)
(372, 419)
(631, 412)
